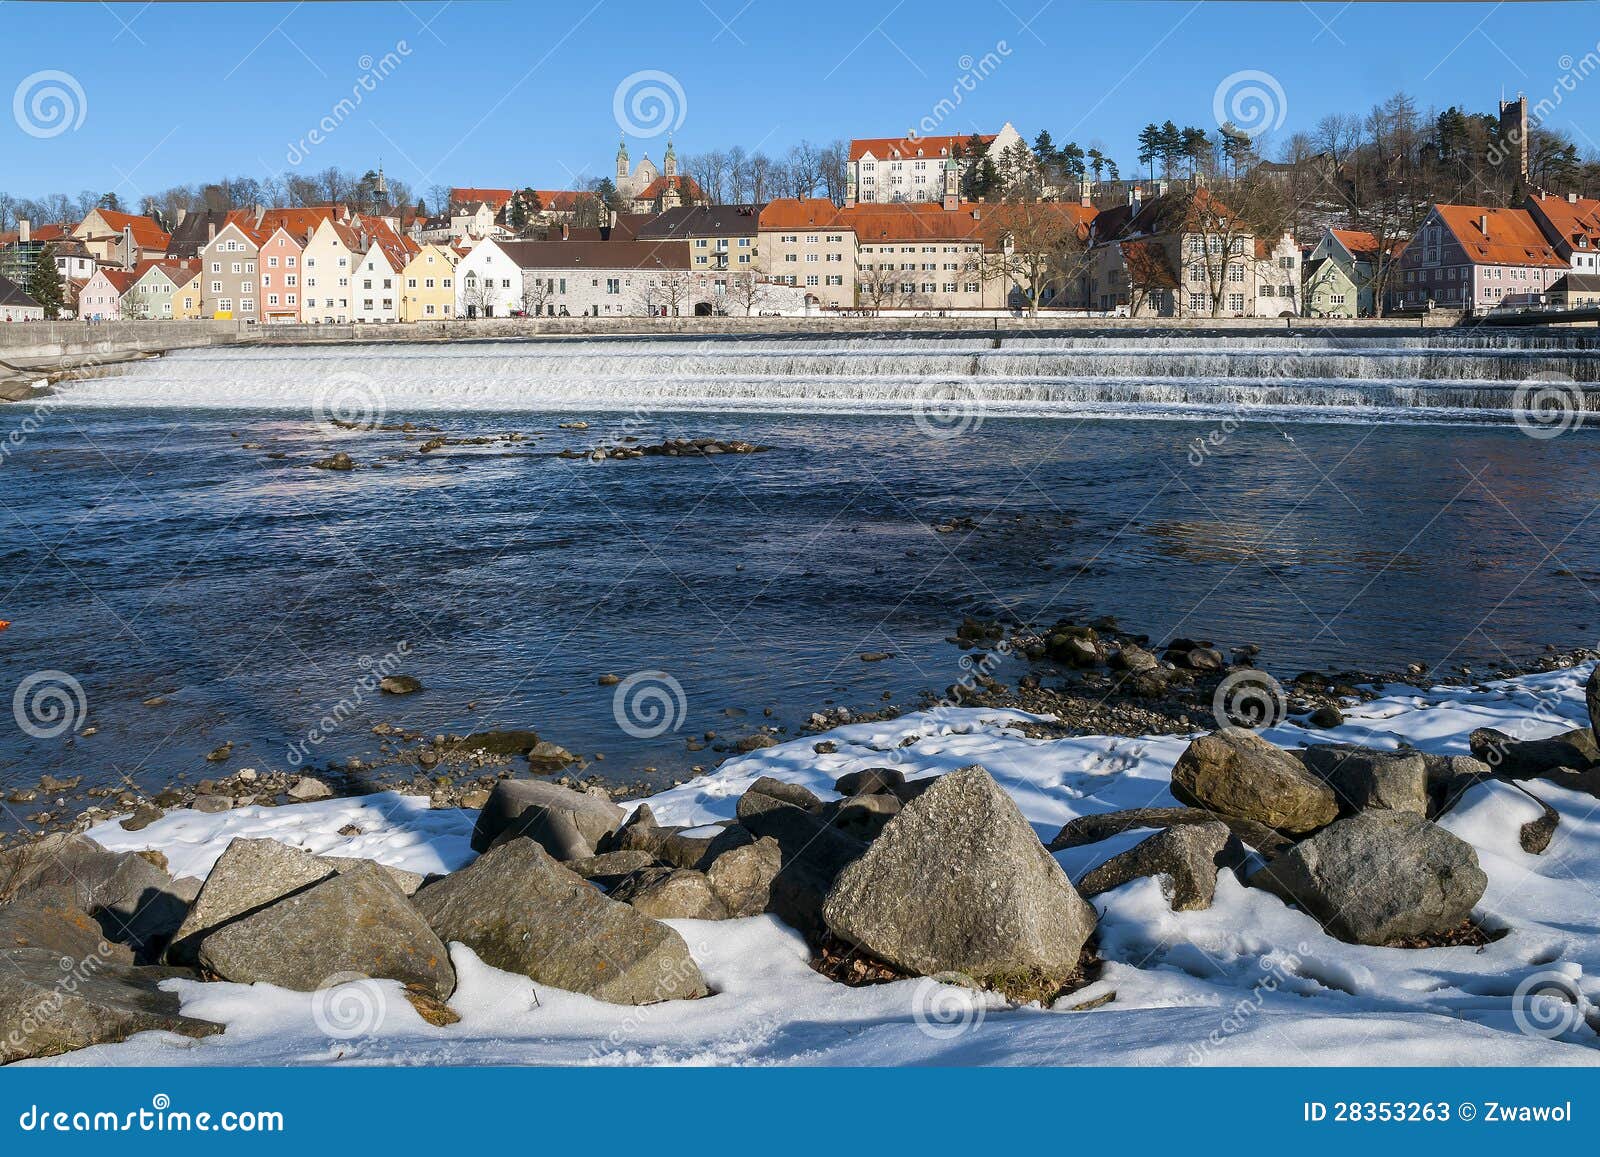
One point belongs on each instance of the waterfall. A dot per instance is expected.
(1422, 374)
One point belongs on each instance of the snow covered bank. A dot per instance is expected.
(1248, 981)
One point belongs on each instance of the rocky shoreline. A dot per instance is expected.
(931, 876)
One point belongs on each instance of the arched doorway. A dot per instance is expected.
(702, 309)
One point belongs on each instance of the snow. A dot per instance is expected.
(1246, 982)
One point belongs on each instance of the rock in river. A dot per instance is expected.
(1236, 772)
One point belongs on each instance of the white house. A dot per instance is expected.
(375, 295)
(16, 305)
(585, 279)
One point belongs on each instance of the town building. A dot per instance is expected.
(121, 239)
(882, 170)
(809, 245)
(581, 279)
(231, 285)
(646, 189)
(16, 305)
(379, 272)
(428, 280)
(101, 297)
(1476, 258)
(721, 239)
(328, 264)
(919, 256)
(1571, 225)
(150, 297)
(1343, 272)
(20, 249)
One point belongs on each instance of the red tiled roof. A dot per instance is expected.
(1512, 237)
(121, 279)
(688, 188)
(146, 233)
(496, 198)
(883, 147)
(1571, 220)
(1355, 241)
(795, 213)
(562, 200)
(915, 221)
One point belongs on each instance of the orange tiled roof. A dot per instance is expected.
(496, 198)
(797, 213)
(688, 188)
(146, 233)
(121, 279)
(562, 200)
(915, 221)
(1148, 267)
(1355, 241)
(883, 147)
(1572, 219)
(1512, 238)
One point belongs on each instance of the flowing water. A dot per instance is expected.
(1341, 502)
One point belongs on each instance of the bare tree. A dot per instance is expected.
(833, 165)
(1040, 247)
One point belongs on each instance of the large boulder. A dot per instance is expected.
(1363, 778)
(50, 918)
(133, 900)
(42, 1015)
(742, 878)
(1526, 758)
(1380, 877)
(357, 921)
(568, 824)
(1450, 777)
(1186, 856)
(1591, 700)
(1236, 772)
(958, 882)
(248, 876)
(521, 911)
(1091, 829)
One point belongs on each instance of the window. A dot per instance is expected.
(1236, 302)
(613, 286)
(1197, 302)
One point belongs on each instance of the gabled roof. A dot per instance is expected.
(495, 198)
(396, 248)
(702, 221)
(13, 294)
(1356, 243)
(562, 200)
(596, 254)
(1498, 236)
(180, 273)
(121, 279)
(801, 213)
(687, 187)
(1569, 221)
(884, 148)
(914, 221)
(38, 233)
(146, 233)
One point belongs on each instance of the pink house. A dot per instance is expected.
(101, 296)
(280, 278)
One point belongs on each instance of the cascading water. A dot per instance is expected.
(1425, 375)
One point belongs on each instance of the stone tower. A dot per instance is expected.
(1514, 131)
(669, 163)
(622, 179)
(952, 184)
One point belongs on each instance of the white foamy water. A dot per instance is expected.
(1426, 376)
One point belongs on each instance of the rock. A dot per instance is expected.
(1449, 777)
(211, 804)
(48, 917)
(742, 878)
(308, 789)
(1092, 829)
(1133, 658)
(40, 1016)
(1328, 715)
(1364, 778)
(550, 756)
(875, 656)
(532, 808)
(958, 882)
(609, 680)
(248, 876)
(501, 742)
(399, 685)
(754, 743)
(221, 754)
(1525, 759)
(1591, 699)
(1204, 659)
(767, 789)
(671, 894)
(1379, 877)
(690, 851)
(131, 897)
(143, 816)
(1237, 773)
(610, 868)
(522, 912)
(1535, 835)
(339, 461)
(813, 853)
(356, 921)
(872, 781)
(1187, 855)
(865, 816)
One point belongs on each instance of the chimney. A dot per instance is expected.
(211, 231)
(182, 213)
(564, 233)
(24, 230)
(1572, 198)
(1483, 224)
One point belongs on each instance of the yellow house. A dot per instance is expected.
(427, 285)
(186, 296)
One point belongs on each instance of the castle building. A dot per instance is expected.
(647, 189)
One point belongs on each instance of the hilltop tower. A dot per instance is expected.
(1514, 129)
(669, 163)
(622, 164)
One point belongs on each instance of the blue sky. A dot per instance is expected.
(511, 94)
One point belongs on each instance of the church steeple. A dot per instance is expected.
(622, 162)
(670, 161)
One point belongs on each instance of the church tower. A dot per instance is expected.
(952, 184)
(622, 178)
(670, 161)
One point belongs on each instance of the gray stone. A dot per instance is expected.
(399, 684)
(1092, 829)
(1133, 658)
(698, 851)
(958, 882)
(871, 781)
(309, 789)
(1237, 773)
(532, 808)
(1186, 856)
(1591, 699)
(865, 816)
(767, 788)
(132, 899)
(1450, 777)
(813, 853)
(742, 878)
(1379, 877)
(50, 918)
(1328, 715)
(609, 868)
(354, 922)
(522, 912)
(40, 1016)
(1364, 778)
(1527, 758)
(249, 875)
(671, 894)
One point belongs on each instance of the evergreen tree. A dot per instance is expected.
(44, 283)
(1150, 147)
(1170, 146)
(1196, 146)
(1071, 157)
